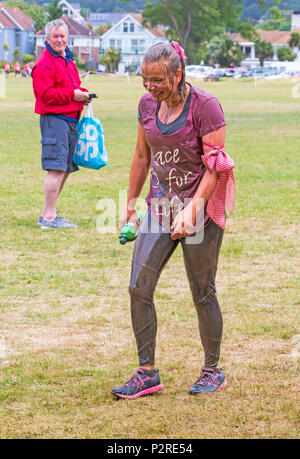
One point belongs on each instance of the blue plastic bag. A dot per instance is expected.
(90, 151)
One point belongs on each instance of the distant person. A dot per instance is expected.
(7, 69)
(27, 69)
(181, 136)
(59, 101)
(17, 69)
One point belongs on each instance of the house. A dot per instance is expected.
(71, 10)
(83, 41)
(278, 38)
(295, 20)
(16, 32)
(132, 39)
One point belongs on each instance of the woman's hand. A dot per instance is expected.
(184, 223)
(130, 215)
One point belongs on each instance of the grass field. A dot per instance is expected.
(65, 336)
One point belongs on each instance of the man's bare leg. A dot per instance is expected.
(53, 186)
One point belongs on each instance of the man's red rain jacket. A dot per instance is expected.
(54, 82)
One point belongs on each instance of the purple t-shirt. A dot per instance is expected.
(176, 164)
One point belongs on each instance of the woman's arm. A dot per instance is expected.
(138, 174)
(184, 223)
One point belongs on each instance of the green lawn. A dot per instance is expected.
(65, 336)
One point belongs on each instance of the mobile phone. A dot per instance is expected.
(92, 96)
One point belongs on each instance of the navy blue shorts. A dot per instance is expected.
(59, 139)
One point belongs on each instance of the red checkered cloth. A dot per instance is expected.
(223, 195)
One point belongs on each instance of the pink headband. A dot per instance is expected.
(178, 49)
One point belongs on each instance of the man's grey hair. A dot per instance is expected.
(55, 24)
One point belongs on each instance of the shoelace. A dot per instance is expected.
(136, 379)
(205, 377)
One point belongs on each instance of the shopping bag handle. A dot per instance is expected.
(89, 111)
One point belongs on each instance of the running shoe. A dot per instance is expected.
(139, 384)
(57, 216)
(58, 222)
(210, 380)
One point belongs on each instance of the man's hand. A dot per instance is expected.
(81, 96)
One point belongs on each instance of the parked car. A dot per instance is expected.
(243, 74)
(213, 75)
(232, 71)
(286, 74)
(261, 72)
(197, 71)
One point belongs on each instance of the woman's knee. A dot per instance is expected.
(140, 291)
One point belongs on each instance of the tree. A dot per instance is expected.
(284, 53)
(36, 12)
(102, 29)
(54, 11)
(111, 60)
(224, 51)
(28, 58)
(276, 20)
(194, 22)
(263, 50)
(294, 41)
(17, 54)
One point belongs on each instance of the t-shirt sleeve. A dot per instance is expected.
(211, 117)
(140, 112)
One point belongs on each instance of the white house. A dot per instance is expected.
(132, 39)
(277, 38)
(295, 20)
(72, 10)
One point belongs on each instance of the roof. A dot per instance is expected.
(17, 17)
(105, 18)
(276, 37)
(156, 31)
(75, 28)
(5, 21)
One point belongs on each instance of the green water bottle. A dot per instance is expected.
(129, 231)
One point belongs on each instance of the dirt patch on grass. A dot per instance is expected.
(73, 323)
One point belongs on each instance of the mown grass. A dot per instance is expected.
(66, 334)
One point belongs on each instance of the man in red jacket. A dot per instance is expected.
(59, 101)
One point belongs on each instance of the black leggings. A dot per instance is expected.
(151, 253)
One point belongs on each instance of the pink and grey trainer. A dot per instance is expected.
(140, 384)
(210, 380)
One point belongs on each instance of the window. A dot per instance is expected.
(138, 46)
(142, 46)
(131, 27)
(125, 27)
(116, 44)
(134, 46)
(18, 39)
